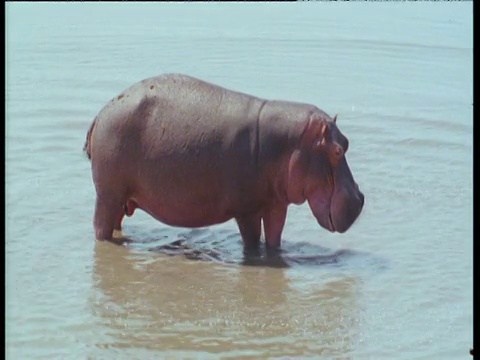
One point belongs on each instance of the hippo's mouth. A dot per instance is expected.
(322, 210)
(331, 227)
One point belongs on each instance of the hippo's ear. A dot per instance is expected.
(315, 132)
(335, 119)
(321, 138)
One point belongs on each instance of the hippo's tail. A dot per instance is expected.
(87, 147)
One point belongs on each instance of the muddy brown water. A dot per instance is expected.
(397, 285)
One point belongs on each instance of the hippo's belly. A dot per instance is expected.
(191, 177)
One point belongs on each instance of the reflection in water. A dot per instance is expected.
(153, 302)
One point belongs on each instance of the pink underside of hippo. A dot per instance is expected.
(194, 154)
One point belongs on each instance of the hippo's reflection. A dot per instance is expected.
(169, 305)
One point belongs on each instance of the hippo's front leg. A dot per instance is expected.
(250, 227)
(273, 222)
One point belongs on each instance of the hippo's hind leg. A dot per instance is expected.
(127, 209)
(108, 216)
(117, 226)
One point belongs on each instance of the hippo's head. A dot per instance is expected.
(318, 172)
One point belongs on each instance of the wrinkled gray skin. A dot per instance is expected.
(193, 154)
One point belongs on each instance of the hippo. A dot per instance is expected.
(194, 154)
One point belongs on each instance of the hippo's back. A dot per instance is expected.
(172, 111)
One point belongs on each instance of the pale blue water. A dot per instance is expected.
(400, 77)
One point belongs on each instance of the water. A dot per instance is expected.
(397, 285)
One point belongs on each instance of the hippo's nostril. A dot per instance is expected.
(362, 198)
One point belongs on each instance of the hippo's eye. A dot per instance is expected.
(338, 150)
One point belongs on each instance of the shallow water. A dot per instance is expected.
(397, 285)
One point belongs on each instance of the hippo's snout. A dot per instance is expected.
(345, 208)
